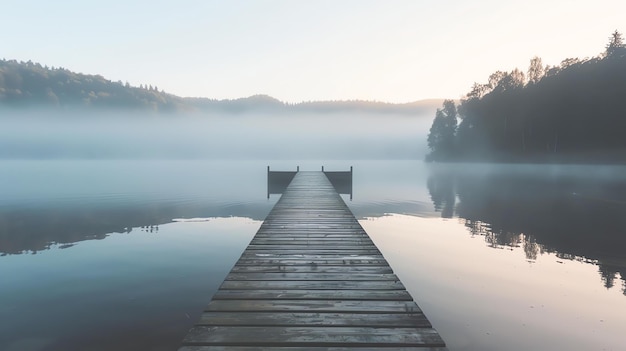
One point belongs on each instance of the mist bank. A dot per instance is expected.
(80, 135)
(27, 85)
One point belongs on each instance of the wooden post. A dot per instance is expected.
(322, 168)
(268, 182)
(297, 168)
(351, 179)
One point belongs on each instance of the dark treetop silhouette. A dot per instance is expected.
(573, 112)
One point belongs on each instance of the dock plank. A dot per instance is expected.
(315, 336)
(312, 285)
(314, 305)
(303, 319)
(345, 261)
(331, 248)
(285, 268)
(312, 255)
(312, 279)
(308, 348)
(311, 276)
(295, 294)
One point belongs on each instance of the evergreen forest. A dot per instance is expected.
(574, 112)
(32, 85)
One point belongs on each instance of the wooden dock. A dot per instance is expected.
(312, 279)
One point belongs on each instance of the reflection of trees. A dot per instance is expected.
(441, 188)
(502, 239)
(608, 274)
(477, 227)
(531, 248)
(35, 229)
(576, 218)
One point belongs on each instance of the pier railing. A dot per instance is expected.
(278, 181)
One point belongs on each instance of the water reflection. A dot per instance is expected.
(62, 225)
(576, 212)
(56, 204)
(65, 209)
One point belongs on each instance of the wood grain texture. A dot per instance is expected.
(303, 319)
(299, 294)
(308, 268)
(311, 276)
(314, 306)
(314, 336)
(312, 279)
(312, 285)
(309, 348)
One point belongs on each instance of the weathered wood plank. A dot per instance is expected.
(304, 223)
(309, 348)
(314, 336)
(310, 236)
(289, 240)
(292, 268)
(359, 248)
(313, 262)
(308, 241)
(313, 305)
(311, 276)
(313, 254)
(313, 229)
(345, 245)
(298, 294)
(303, 319)
(312, 285)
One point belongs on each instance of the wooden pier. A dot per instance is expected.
(312, 279)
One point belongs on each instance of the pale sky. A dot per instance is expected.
(386, 50)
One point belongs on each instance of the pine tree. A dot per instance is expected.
(441, 138)
(615, 47)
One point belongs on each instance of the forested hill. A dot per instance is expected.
(573, 112)
(28, 84)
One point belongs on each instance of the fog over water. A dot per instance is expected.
(98, 211)
(46, 135)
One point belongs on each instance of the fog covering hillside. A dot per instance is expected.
(49, 113)
(28, 84)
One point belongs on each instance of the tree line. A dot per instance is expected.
(572, 112)
(31, 84)
(28, 84)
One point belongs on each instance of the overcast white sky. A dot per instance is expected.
(396, 51)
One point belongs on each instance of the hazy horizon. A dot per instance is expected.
(397, 52)
(108, 135)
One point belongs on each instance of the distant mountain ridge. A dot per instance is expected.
(28, 84)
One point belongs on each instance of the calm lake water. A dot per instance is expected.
(123, 255)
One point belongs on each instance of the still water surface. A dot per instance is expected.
(121, 255)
